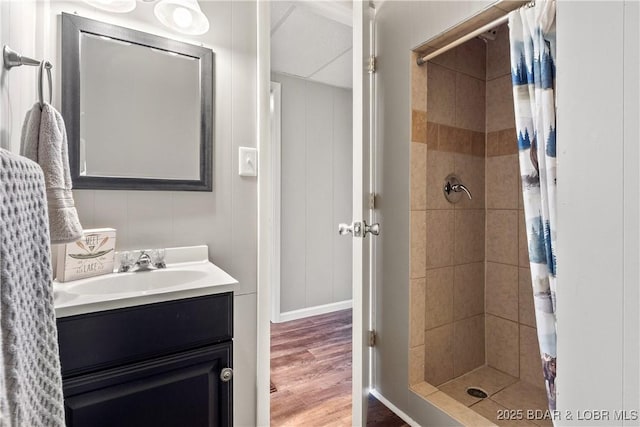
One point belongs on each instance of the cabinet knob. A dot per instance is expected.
(226, 374)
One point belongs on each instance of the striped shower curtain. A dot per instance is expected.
(533, 47)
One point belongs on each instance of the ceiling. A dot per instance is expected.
(312, 40)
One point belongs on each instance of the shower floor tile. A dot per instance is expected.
(489, 409)
(524, 396)
(488, 379)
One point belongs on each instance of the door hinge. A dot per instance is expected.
(372, 64)
(372, 200)
(372, 338)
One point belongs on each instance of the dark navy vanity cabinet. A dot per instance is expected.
(162, 364)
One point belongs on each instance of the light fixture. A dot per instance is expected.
(183, 16)
(120, 6)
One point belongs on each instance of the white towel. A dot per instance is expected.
(44, 140)
(30, 377)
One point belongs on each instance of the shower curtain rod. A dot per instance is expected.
(423, 59)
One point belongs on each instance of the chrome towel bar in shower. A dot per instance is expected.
(14, 59)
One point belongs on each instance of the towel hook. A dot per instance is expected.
(48, 66)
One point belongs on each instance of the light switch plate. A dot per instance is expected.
(247, 161)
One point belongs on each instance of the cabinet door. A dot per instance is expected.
(180, 390)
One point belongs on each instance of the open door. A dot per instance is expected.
(361, 227)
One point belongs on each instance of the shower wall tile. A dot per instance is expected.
(520, 199)
(454, 140)
(470, 103)
(502, 142)
(502, 182)
(418, 126)
(530, 364)
(471, 172)
(502, 345)
(439, 297)
(501, 291)
(498, 54)
(478, 144)
(502, 232)
(468, 290)
(416, 365)
(418, 85)
(447, 59)
(468, 345)
(469, 235)
(441, 89)
(527, 315)
(493, 143)
(418, 243)
(418, 176)
(438, 359)
(417, 312)
(523, 245)
(510, 323)
(432, 135)
(500, 113)
(439, 166)
(471, 58)
(439, 238)
(468, 58)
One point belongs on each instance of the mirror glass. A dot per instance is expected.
(138, 108)
(114, 143)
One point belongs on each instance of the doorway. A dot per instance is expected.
(310, 105)
(361, 213)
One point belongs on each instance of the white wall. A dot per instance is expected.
(598, 193)
(598, 128)
(225, 219)
(18, 87)
(315, 193)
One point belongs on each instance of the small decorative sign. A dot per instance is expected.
(92, 255)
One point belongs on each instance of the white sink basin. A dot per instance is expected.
(190, 275)
(144, 281)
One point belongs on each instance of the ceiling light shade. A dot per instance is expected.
(120, 6)
(183, 16)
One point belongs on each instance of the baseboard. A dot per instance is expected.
(313, 311)
(406, 418)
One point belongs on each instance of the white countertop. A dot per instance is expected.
(186, 279)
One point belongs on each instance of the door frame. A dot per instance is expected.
(265, 210)
(361, 211)
(275, 109)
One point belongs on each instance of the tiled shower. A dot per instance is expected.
(472, 313)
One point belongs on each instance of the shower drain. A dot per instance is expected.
(477, 392)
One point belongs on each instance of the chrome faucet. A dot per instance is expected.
(144, 262)
(452, 188)
(456, 188)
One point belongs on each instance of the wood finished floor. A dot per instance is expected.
(311, 369)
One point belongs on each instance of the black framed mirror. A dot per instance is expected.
(138, 108)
